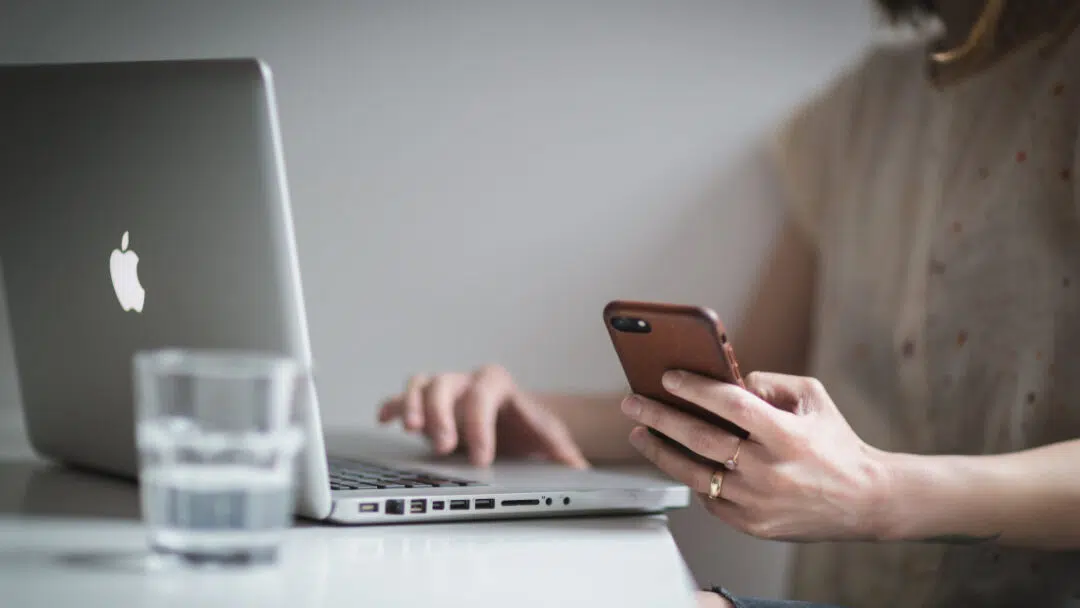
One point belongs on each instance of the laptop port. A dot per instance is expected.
(485, 503)
(438, 505)
(369, 507)
(395, 506)
(418, 505)
(459, 505)
(524, 502)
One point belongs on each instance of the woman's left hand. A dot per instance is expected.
(802, 474)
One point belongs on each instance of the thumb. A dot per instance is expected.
(795, 394)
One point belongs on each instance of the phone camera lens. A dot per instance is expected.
(631, 325)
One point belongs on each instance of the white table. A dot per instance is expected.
(71, 539)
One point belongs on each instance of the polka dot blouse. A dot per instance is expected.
(947, 221)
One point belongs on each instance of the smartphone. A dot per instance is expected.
(652, 338)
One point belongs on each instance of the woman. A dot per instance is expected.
(929, 282)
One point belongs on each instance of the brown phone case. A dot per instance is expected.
(689, 338)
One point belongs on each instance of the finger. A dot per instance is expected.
(557, 440)
(790, 393)
(695, 475)
(562, 447)
(726, 511)
(749, 521)
(737, 405)
(480, 406)
(414, 403)
(439, 400)
(699, 436)
(391, 409)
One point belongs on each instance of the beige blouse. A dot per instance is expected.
(948, 319)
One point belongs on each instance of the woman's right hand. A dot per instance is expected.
(484, 412)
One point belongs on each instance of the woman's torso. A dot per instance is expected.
(949, 304)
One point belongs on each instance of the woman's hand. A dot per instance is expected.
(803, 474)
(477, 408)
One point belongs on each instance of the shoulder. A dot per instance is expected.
(879, 99)
(888, 75)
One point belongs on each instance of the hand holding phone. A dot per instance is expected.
(653, 338)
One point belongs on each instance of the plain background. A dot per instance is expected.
(472, 181)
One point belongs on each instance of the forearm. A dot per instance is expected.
(1027, 499)
(775, 330)
(597, 425)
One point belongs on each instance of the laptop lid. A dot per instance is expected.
(143, 205)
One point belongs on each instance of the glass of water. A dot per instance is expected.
(217, 436)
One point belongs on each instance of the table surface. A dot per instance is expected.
(70, 538)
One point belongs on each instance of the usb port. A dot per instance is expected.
(438, 505)
(485, 503)
(459, 505)
(418, 505)
(369, 507)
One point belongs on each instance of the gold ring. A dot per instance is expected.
(733, 462)
(716, 482)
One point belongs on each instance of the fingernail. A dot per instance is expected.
(637, 438)
(631, 406)
(672, 380)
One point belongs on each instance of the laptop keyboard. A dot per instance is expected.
(355, 475)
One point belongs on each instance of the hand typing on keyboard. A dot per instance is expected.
(470, 410)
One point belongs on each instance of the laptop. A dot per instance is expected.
(180, 163)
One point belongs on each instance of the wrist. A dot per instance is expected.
(889, 519)
(880, 506)
(935, 498)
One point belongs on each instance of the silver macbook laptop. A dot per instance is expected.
(180, 164)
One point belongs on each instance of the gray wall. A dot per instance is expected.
(472, 180)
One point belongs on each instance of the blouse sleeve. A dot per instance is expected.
(809, 148)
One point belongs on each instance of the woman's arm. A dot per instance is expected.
(775, 331)
(1029, 498)
(804, 475)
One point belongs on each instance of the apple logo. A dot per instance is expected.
(124, 268)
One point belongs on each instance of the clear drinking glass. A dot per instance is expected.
(217, 439)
